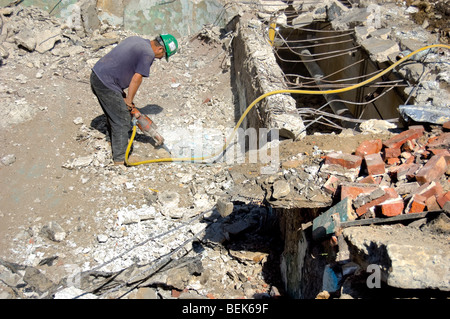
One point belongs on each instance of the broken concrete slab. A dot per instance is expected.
(396, 251)
(380, 49)
(425, 113)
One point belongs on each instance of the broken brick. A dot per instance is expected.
(398, 140)
(369, 147)
(407, 188)
(365, 198)
(416, 204)
(433, 169)
(432, 204)
(392, 161)
(368, 180)
(404, 171)
(440, 140)
(430, 189)
(390, 193)
(446, 126)
(331, 185)
(440, 151)
(444, 198)
(375, 164)
(392, 207)
(343, 159)
(352, 190)
(392, 152)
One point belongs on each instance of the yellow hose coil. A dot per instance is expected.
(336, 91)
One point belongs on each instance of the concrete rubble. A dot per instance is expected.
(207, 230)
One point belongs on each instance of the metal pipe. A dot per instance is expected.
(338, 107)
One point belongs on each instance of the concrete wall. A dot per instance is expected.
(301, 265)
(257, 73)
(147, 17)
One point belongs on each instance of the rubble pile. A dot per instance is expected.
(405, 174)
(402, 180)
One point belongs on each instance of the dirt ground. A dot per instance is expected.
(434, 15)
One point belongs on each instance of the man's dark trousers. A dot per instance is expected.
(117, 115)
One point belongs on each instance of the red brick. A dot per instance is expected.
(404, 170)
(443, 199)
(430, 189)
(390, 194)
(433, 169)
(440, 151)
(176, 293)
(398, 140)
(392, 152)
(446, 126)
(369, 147)
(353, 190)
(432, 203)
(343, 159)
(375, 164)
(416, 204)
(331, 185)
(368, 180)
(392, 161)
(392, 207)
(440, 140)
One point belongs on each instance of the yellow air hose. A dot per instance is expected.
(228, 141)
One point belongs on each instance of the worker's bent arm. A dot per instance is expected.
(136, 81)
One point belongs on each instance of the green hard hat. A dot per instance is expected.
(170, 44)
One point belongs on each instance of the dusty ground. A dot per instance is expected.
(433, 15)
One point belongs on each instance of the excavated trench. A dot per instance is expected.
(318, 57)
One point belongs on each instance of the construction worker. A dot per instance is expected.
(122, 68)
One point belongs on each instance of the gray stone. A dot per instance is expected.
(102, 238)
(89, 16)
(26, 39)
(37, 280)
(280, 189)
(8, 159)
(54, 232)
(224, 207)
(9, 278)
(45, 40)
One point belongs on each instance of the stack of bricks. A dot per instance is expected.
(408, 173)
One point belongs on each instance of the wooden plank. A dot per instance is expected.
(395, 219)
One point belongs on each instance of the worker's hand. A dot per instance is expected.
(128, 103)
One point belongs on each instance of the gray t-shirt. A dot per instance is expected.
(132, 55)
